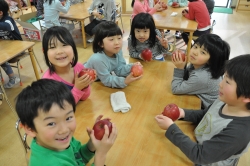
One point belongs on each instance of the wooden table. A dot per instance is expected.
(164, 20)
(140, 141)
(79, 12)
(12, 48)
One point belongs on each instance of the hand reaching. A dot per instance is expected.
(163, 121)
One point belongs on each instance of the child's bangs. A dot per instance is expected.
(142, 24)
(59, 37)
(113, 31)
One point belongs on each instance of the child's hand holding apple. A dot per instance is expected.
(137, 69)
(130, 78)
(179, 59)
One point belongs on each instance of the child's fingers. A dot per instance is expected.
(113, 134)
(106, 133)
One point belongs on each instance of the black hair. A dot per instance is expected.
(219, 51)
(63, 35)
(143, 21)
(192, 0)
(41, 95)
(105, 29)
(238, 69)
(4, 7)
(132, 3)
(50, 1)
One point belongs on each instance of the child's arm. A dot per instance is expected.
(138, 7)
(122, 69)
(196, 83)
(170, 2)
(6, 26)
(132, 51)
(183, 3)
(163, 42)
(109, 8)
(61, 8)
(189, 14)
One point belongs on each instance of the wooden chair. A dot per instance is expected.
(5, 97)
(23, 137)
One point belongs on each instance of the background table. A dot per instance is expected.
(12, 48)
(164, 20)
(140, 141)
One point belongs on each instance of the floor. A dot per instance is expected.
(234, 28)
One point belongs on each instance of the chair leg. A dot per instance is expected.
(19, 73)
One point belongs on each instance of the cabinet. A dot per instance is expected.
(243, 5)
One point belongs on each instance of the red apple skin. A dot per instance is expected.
(137, 70)
(183, 55)
(171, 111)
(90, 72)
(174, 3)
(99, 130)
(146, 54)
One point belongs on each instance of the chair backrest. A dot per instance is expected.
(23, 137)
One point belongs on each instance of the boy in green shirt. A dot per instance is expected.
(46, 109)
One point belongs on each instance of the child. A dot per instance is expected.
(142, 6)
(46, 109)
(61, 57)
(222, 132)
(143, 34)
(103, 11)
(202, 76)
(197, 11)
(52, 9)
(108, 60)
(8, 31)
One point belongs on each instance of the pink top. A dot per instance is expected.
(142, 8)
(197, 11)
(78, 94)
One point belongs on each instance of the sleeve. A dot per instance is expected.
(132, 51)
(196, 83)
(86, 154)
(162, 49)
(61, 8)
(220, 147)
(123, 69)
(194, 116)
(80, 94)
(91, 7)
(139, 8)
(39, 8)
(7, 26)
(103, 71)
(170, 2)
(183, 3)
(110, 7)
(190, 15)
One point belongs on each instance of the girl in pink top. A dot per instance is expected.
(142, 6)
(61, 57)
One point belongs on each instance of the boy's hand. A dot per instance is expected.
(130, 78)
(97, 15)
(163, 40)
(138, 63)
(83, 81)
(163, 121)
(184, 12)
(182, 113)
(177, 60)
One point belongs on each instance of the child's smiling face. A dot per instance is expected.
(55, 128)
(142, 34)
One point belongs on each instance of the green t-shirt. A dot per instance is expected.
(75, 155)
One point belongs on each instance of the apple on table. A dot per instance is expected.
(172, 111)
(99, 129)
(175, 4)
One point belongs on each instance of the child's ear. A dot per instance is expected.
(30, 132)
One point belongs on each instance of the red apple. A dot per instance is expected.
(164, 5)
(90, 72)
(136, 70)
(146, 54)
(183, 55)
(174, 4)
(171, 111)
(99, 130)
